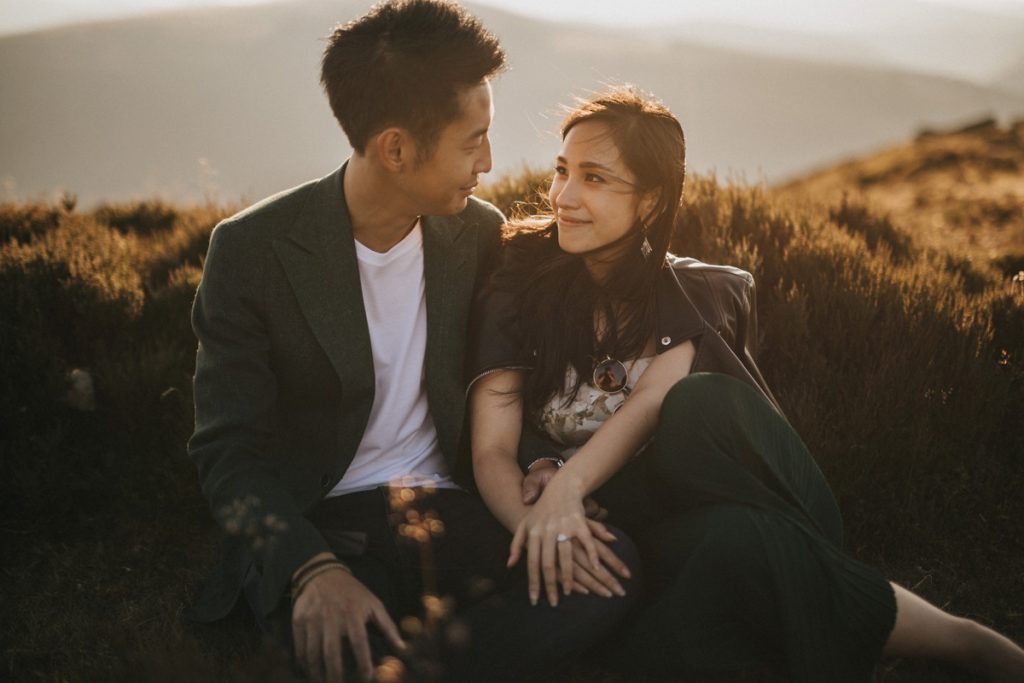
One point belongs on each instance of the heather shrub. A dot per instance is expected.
(900, 366)
(140, 218)
(1007, 311)
(735, 225)
(70, 292)
(876, 230)
(22, 222)
(968, 275)
(184, 244)
(169, 362)
(68, 299)
(114, 302)
(1010, 264)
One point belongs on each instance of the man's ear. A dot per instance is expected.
(395, 149)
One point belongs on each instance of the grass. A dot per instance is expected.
(901, 365)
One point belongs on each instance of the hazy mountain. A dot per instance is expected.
(227, 100)
(1012, 78)
(967, 44)
(927, 38)
(786, 42)
(19, 16)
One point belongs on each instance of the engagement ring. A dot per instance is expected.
(561, 538)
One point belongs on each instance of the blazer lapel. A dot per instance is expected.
(449, 266)
(319, 258)
(446, 253)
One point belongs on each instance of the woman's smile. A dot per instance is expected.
(570, 222)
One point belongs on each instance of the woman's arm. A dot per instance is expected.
(496, 415)
(496, 419)
(625, 432)
(559, 511)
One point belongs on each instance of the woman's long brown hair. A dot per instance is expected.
(556, 295)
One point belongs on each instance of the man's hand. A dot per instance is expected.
(536, 480)
(587, 579)
(333, 606)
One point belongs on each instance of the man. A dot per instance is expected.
(331, 321)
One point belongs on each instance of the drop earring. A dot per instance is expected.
(645, 247)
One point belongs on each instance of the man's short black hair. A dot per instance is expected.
(403, 64)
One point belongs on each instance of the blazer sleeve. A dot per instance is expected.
(235, 403)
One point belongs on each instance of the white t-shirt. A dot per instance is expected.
(399, 446)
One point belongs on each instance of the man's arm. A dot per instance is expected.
(235, 402)
(236, 413)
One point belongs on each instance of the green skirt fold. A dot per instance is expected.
(741, 539)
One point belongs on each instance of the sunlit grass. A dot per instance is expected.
(901, 365)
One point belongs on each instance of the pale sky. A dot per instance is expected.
(791, 14)
(20, 15)
(938, 67)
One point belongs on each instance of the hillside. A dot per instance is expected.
(225, 102)
(904, 382)
(959, 190)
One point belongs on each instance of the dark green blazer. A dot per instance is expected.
(284, 373)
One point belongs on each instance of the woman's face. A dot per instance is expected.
(593, 193)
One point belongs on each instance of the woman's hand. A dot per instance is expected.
(559, 514)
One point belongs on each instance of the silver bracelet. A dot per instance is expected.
(550, 458)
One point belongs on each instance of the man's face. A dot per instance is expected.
(441, 185)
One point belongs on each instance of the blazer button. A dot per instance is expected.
(325, 480)
(665, 341)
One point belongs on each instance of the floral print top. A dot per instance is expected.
(570, 426)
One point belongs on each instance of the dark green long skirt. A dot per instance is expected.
(741, 541)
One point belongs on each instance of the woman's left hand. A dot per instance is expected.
(558, 514)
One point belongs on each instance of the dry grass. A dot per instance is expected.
(960, 191)
(903, 371)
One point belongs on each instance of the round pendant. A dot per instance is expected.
(610, 375)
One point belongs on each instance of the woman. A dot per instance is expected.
(613, 369)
